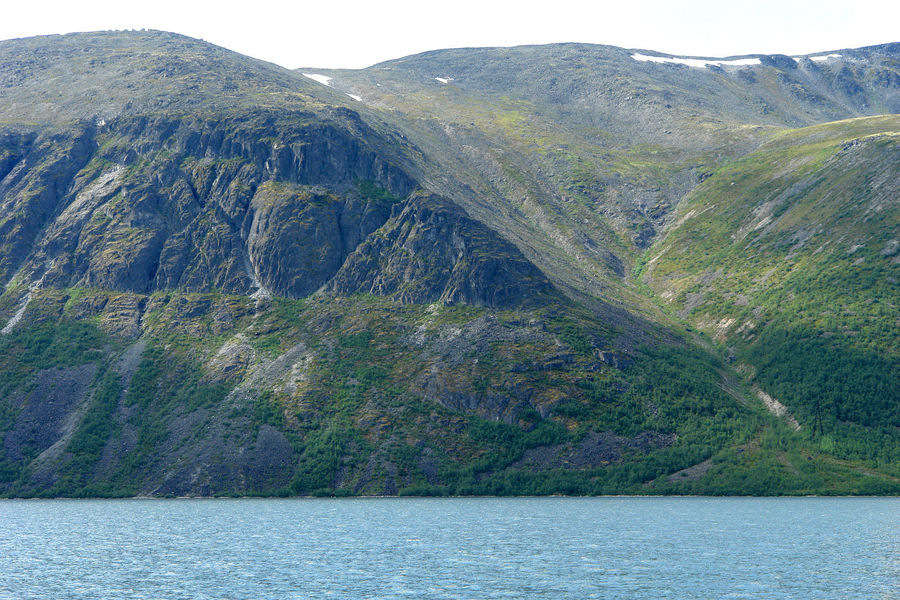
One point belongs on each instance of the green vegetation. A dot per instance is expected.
(370, 190)
(355, 425)
(46, 346)
(562, 272)
(792, 274)
(86, 445)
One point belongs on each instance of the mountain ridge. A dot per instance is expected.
(253, 283)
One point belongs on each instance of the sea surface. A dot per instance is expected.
(577, 548)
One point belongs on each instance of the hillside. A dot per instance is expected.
(225, 277)
(788, 259)
(585, 150)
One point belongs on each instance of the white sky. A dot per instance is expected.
(342, 34)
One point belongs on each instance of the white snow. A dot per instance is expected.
(355, 97)
(698, 63)
(323, 79)
(740, 62)
(444, 79)
(824, 57)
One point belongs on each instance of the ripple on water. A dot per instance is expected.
(452, 548)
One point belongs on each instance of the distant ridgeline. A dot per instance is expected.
(564, 269)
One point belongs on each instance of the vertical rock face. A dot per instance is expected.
(298, 239)
(431, 251)
(258, 202)
(232, 205)
(36, 171)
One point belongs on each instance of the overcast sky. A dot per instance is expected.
(339, 34)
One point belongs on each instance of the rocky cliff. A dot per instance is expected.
(506, 271)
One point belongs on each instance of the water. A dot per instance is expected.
(451, 548)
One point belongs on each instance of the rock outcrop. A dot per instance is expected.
(431, 251)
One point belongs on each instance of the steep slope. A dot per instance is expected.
(788, 259)
(227, 278)
(584, 150)
(132, 205)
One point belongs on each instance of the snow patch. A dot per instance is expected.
(824, 57)
(323, 79)
(355, 97)
(697, 63)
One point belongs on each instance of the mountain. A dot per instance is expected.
(548, 269)
(788, 259)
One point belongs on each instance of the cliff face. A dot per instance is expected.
(152, 204)
(431, 251)
(226, 278)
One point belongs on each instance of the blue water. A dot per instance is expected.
(451, 548)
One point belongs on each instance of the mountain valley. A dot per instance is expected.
(564, 269)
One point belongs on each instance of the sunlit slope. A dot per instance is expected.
(224, 277)
(115, 394)
(101, 76)
(579, 153)
(789, 259)
(248, 288)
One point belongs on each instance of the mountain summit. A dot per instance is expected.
(545, 269)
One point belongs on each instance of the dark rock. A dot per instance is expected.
(272, 460)
(779, 61)
(48, 411)
(594, 450)
(298, 240)
(221, 206)
(31, 192)
(432, 251)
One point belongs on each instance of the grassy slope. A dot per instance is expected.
(574, 197)
(787, 258)
(218, 370)
(579, 154)
(348, 380)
